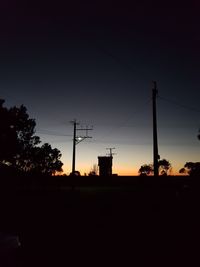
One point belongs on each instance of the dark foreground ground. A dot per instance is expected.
(132, 223)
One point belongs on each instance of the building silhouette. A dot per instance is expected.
(105, 165)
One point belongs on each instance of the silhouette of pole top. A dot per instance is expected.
(155, 90)
(110, 149)
(74, 122)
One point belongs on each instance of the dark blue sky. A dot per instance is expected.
(95, 61)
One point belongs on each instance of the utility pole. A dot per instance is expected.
(111, 149)
(77, 140)
(74, 147)
(110, 155)
(155, 137)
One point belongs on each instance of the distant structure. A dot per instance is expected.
(105, 165)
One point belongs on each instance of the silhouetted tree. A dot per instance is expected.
(191, 168)
(147, 169)
(16, 135)
(94, 170)
(45, 160)
(19, 144)
(164, 167)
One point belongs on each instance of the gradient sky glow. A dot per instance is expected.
(95, 62)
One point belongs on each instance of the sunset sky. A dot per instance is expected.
(95, 62)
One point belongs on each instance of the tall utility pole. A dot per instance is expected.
(77, 140)
(74, 147)
(155, 137)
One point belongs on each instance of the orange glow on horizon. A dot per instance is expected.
(120, 172)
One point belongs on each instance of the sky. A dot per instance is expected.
(95, 62)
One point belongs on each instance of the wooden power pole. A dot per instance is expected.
(155, 136)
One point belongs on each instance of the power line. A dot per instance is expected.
(115, 58)
(59, 135)
(179, 104)
(118, 60)
(140, 110)
(52, 133)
